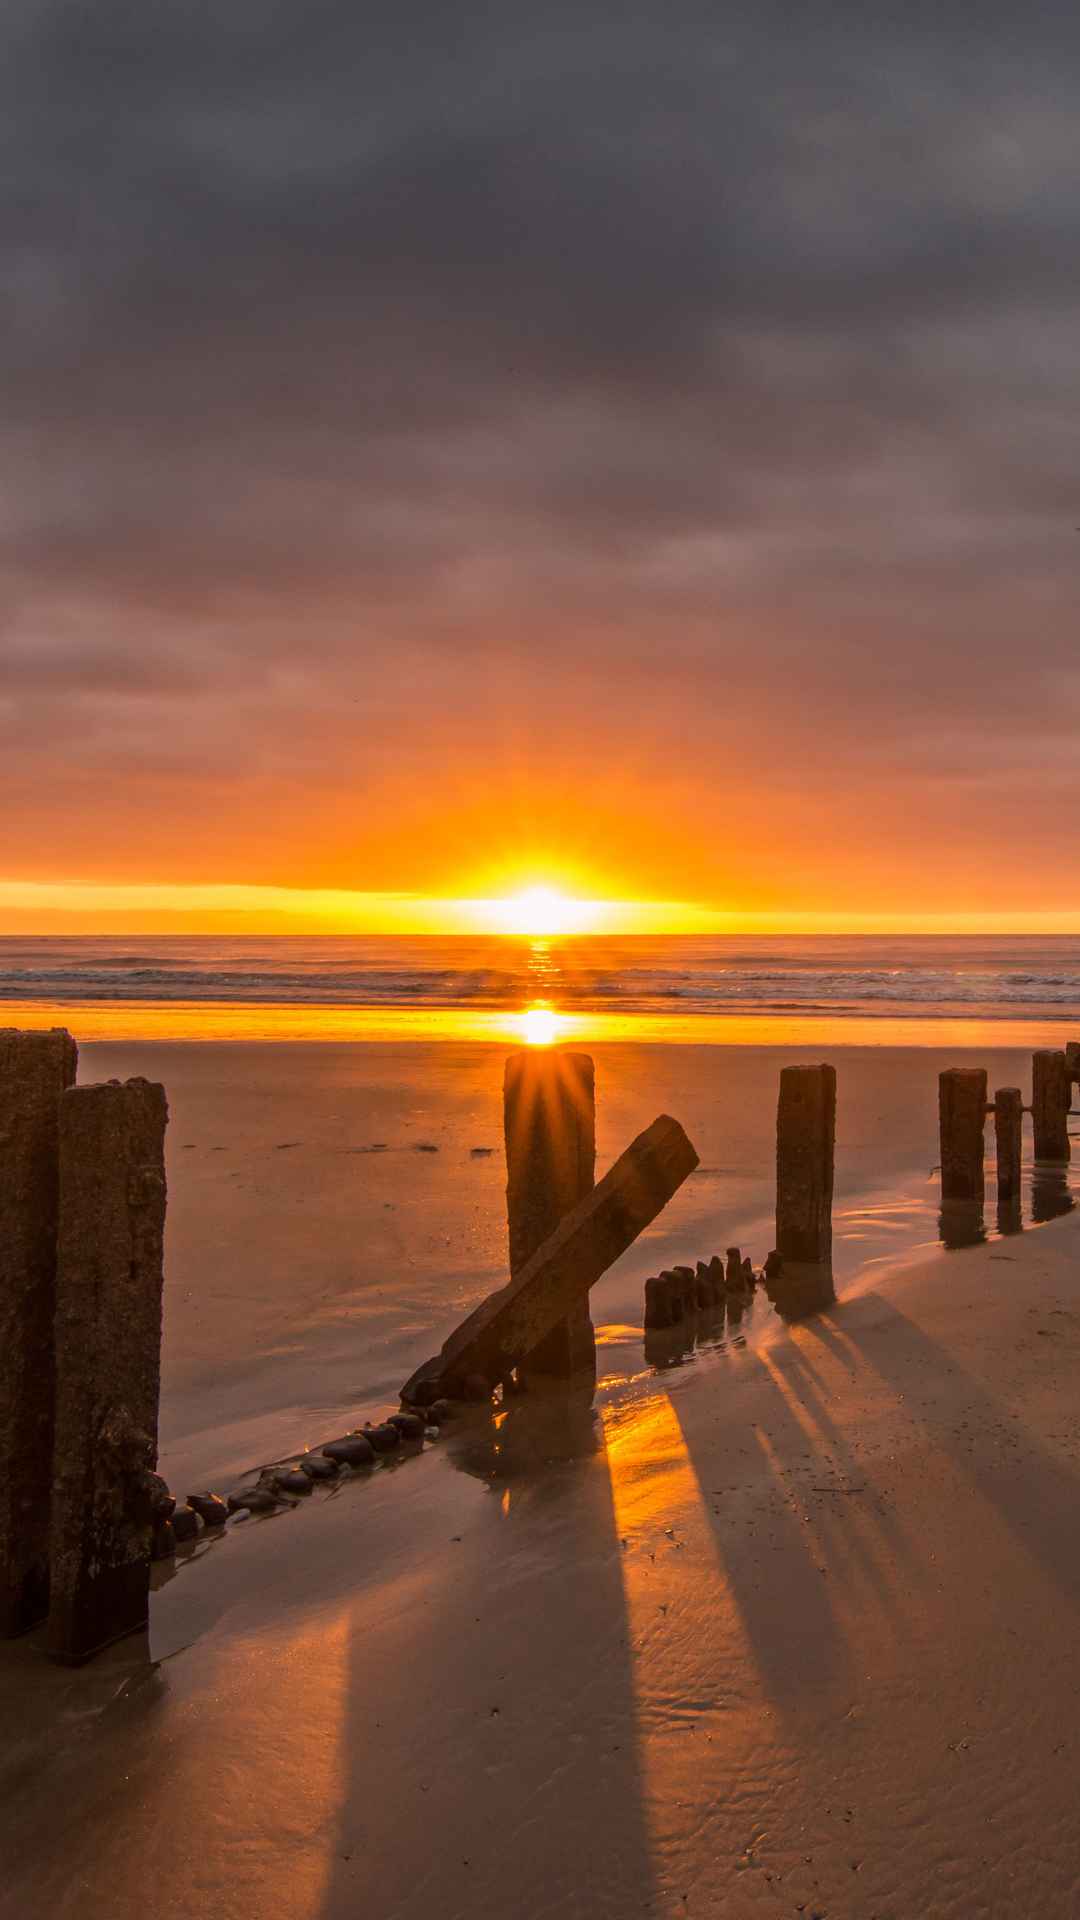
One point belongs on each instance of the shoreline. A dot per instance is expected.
(233, 1022)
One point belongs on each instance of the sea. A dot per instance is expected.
(640, 980)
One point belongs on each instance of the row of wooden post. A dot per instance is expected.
(82, 1217)
(963, 1107)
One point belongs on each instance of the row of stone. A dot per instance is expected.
(179, 1523)
(676, 1293)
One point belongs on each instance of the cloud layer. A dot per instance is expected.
(642, 439)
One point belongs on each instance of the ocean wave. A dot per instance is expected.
(689, 975)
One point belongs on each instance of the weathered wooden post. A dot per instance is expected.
(108, 1362)
(1050, 1105)
(549, 1122)
(35, 1068)
(805, 1150)
(1008, 1139)
(510, 1324)
(962, 1121)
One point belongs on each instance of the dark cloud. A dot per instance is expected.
(373, 371)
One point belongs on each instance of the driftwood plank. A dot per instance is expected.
(509, 1324)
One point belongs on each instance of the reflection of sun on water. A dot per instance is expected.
(540, 1026)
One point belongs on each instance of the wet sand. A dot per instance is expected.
(786, 1628)
(335, 1209)
(793, 1631)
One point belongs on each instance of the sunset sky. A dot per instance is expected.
(629, 448)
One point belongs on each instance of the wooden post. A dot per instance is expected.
(511, 1323)
(35, 1068)
(1008, 1138)
(108, 1362)
(1050, 1105)
(805, 1148)
(549, 1124)
(962, 1120)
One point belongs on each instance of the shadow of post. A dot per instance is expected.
(531, 1771)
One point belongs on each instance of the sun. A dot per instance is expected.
(542, 912)
(539, 1026)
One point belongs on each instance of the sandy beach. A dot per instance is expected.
(793, 1633)
(784, 1629)
(334, 1209)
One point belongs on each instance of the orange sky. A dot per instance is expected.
(630, 452)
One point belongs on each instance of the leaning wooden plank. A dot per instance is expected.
(509, 1324)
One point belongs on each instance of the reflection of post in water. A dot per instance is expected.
(1009, 1215)
(1050, 1194)
(961, 1223)
(525, 1436)
(669, 1346)
(800, 1287)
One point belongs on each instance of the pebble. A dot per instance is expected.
(355, 1450)
(431, 1433)
(254, 1500)
(384, 1438)
(439, 1412)
(210, 1508)
(409, 1425)
(292, 1481)
(161, 1500)
(185, 1524)
(318, 1467)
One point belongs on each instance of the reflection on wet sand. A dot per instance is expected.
(547, 1427)
(801, 1288)
(1050, 1193)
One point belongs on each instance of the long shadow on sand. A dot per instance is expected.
(1033, 1493)
(519, 1663)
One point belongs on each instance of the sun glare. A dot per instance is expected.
(539, 1026)
(541, 912)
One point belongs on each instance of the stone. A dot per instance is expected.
(474, 1387)
(384, 1438)
(318, 1466)
(511, 1323)
(431, 1433)
(109, 1274)
(1072, 1059)
(440, 1411)
(35, 1070)
(549, 1126)
(409, 1425)
(733, 1280)
(210, 1507)
(185, 1525)
(773, 1264)
(292, 1481)
(1050, 1089)
(748, 1276)
(354, 1450)
(162, 1502)
(962, 1127)
(805, 1152)
(253, 1500)
(164, 1540)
